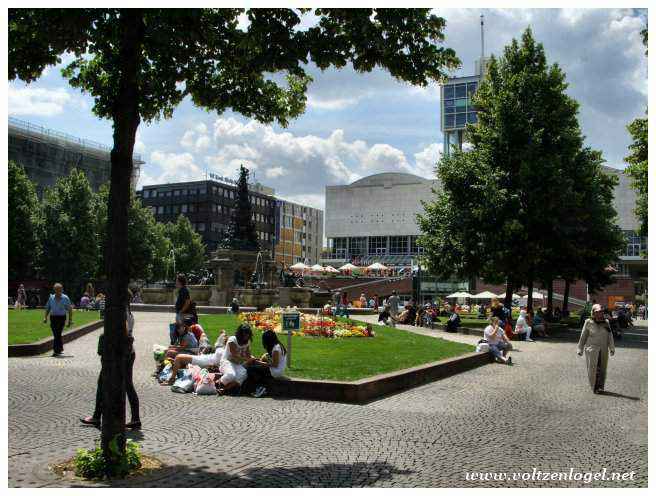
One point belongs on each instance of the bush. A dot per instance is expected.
(93, 465)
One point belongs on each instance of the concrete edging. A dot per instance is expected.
(46, 344)
(144, 307)
(370, 388)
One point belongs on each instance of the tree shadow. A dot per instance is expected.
(619, 395)
(333, 475)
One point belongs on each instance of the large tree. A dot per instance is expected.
(526, 135)
(187, 245)
(145, 244)
(70, 245)
(25, 223)
(139, 64)
(241, 234)
(502, 209)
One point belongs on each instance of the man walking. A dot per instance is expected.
(57, 307)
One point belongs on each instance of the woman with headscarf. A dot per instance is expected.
(597, 341)
(522, 327)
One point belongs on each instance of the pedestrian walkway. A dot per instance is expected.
(539, 413)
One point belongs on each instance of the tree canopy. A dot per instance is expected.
(70, 244)
(25, 224)
(508, 208)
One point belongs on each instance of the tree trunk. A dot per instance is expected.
(116, 346)
(550, 297)
(529, 299)
(566, 296)
(509, 291)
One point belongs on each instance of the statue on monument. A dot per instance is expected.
(241, 234)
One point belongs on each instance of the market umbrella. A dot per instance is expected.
(536, 296)
(459, 294)
(331, 269)
(299, 266)
(485, 295)
(348, 266)
(515, 296)
(317, 268)
(377, 266)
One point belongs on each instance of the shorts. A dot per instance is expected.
(232, 372)
(211, 359)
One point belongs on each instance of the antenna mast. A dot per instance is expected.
(482, 38)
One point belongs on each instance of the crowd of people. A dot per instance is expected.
(232, 367)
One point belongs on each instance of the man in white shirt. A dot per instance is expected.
(498, 342)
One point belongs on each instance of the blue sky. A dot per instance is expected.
(361, 124)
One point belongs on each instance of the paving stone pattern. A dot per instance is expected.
(539, 413)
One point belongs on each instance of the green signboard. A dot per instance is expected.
(291, 321)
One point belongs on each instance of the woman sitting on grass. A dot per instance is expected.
(271, 366)
(236, 356)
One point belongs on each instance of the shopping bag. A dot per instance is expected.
(183, 384)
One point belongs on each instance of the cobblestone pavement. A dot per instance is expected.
(539, 413)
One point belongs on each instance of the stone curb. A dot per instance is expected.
(143, 307)
(46, 344)
(147, 307)
(371, 388)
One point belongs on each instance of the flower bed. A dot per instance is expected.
(311, 325)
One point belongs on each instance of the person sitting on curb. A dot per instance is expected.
(203, 361)
(498, 342)
(270, 366)
(521, 326)
(236, 357)
(185, 341)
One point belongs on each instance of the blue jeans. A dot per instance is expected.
(342, 310)
(498, 349)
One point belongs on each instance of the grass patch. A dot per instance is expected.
(26, 326)
(349, 359)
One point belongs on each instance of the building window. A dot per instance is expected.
(203, 191)
(398, 245)
(160, 209)
(414, 248)
(377, 245)
(176, 209)
(146, 193)
(200, 226)
(176, 192)
(184, 208)
(357, 246)
(339, 246)
(192, 207)
(635, 244)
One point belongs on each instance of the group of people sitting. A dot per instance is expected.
(236, 369)
(88, 302)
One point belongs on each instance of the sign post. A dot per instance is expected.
(291, 321)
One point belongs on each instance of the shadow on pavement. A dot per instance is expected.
(357, 474)
(618, 395)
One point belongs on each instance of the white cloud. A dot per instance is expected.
(426, 160)
(274, 172)
(317, 102)
(37, 101)
(173, 167)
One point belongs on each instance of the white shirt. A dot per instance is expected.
(491, 336)
(282, 361)
(227, 354)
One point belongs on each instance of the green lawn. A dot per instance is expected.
(26, 326)
(349, 359)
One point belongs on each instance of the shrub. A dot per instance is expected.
(91, 464)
